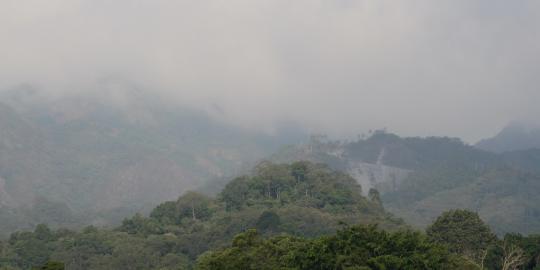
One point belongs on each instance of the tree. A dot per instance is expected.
(52, 265)
(28, 250)
(464, 233)
(140, 225)
(268, 221)
(235, 193)
(358, 247)
(298, 170)
(374, 196)
(194, 206)
(513, 257)
(166, 213)
(530, 245)
(515, 252)
(178, 232)
(42, 232)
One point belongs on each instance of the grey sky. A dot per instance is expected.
(457, 68)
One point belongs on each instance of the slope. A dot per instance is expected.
(100, 158)
(419, 178)
(301, 199)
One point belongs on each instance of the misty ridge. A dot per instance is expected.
(454, 69)
(240, 134)
(86, 154)
(121, 164)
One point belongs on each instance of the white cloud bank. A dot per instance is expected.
(458, 68)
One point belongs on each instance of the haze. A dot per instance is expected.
(456, 68)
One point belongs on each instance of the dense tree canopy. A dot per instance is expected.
(289, 216)
(301, 199)
(358, 247)
(464, 233)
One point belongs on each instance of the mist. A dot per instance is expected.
(456, 68)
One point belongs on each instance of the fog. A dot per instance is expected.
(341, 67)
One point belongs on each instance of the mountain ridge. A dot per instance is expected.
(97, 155)
(514, 137)
(418, 178)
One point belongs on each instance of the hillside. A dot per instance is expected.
(419, 178)
(301, 199)
(513, 137)
(99, 159)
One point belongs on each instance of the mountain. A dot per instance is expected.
(300, 199)
(419, 178)
(513, 137)
(102, 157)
(385, 160)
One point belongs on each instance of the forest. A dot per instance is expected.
(300, 215)
(269, 135)
(418, 178)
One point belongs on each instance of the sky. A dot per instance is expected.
(455, 68)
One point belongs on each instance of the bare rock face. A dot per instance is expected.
(382, 177)
(374, 174)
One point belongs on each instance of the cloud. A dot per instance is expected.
(459, 68)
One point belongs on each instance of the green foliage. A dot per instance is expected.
(530, 245)
(358, 247)
(51, 265)
(464, 233)
(30, 249)
(419, 178)
(141, 225)
(301, 182)
(424, 183)
(166, 213)
(301, 199)
(299, 170)
(76, 155)
(448, 174)
(268, 221)
(190, 206)
(194, 206)
(416, 153)
(515, 251)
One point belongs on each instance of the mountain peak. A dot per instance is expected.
(515, 136)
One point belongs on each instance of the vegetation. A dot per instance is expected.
(419, 178)
(513, 137)
(357, 247)
(458, 239)
(305, 215)
(51, 265)
(301, 199)
(93, 162)
(464, 233)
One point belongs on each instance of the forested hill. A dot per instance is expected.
(95, 159)
(419, 178)
(514, 137)
(301, 199)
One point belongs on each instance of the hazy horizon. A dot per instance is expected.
(447, 68)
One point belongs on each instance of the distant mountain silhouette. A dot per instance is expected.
(513, 137)
(111, 156)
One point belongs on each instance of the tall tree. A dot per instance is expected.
(464, 233)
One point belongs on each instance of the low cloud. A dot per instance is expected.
(458, 68)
